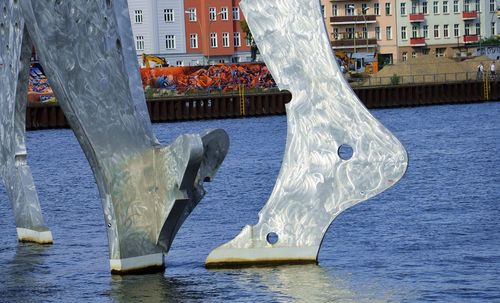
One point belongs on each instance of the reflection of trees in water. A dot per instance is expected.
(151, 288)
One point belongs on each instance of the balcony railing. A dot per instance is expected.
(353, 19)
(469, 15)
(471, 38)
(360, 43)
(417, 41)
(417, 17)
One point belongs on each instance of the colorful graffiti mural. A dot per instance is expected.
(220, 77)
(177, 80)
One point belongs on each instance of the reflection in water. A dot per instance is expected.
(148, 288)
(302, 283)
(22, 277)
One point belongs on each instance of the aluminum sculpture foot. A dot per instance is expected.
(147, 190)
(15, 52)
(319, 177)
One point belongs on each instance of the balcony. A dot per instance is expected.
(471, 38)
(469, 15)
(350, 43)
(417, 17)
(417, 41)
(353, 19)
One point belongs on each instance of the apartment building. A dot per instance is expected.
(360, 28)
(189, 32)
(213, 31)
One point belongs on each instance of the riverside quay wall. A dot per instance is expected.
(237, 105)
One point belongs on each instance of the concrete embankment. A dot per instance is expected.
(42, 116)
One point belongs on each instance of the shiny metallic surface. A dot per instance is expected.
(319, 178)
(147, 189)
(15, 52)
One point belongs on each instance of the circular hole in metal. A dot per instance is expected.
(345, 152)
(109, 224)
(272, 238)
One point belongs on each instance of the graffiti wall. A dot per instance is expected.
(176, 80)
(223, 77)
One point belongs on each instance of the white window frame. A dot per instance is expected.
(335, 10)
(388, 32)
(388, 9)
(350, 9)
(425, 8)
(224, 13)
(138, 16)
(404, 35)
(193, 40)
(377, 33)
(426, 31)
(436, 34)
(213, 40)
(404, 56)
(170, 42)
(435, 7)
(446, 31)
(237, 39)
(456, 6)
(168, 15)
(376, 9)
(236, 13)
(225, 39)
(192, 15)
(456, 30)
(212, 13)
(139, 43)
(446, 8)
(403, 8)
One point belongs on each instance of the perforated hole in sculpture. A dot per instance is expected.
(272, 238)
(345, 152)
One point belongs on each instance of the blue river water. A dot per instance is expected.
(433, 237)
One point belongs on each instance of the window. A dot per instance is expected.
(212, 13)
(466, 5)
(237, 39)
(377, 32)
(403, 9)
(493, 29)
(170, 41)
(350, 32)
(426, 31)
(414, 55)
(456, 30)
(248, 41)
(446, 32)
(440, 52)
(388, 9)
(445, 7)
(405, 56)
(478, 6)
(425, 51)
(388, 32)
(467, 29)
(224, 14)
(364, 8)
(414, 31)
(436, 31)
(435, 7)
(213, 40)
(139, 43)
(138, 16)
(365, 32)
(336, 33)
(456, 6)
(424, 7)
(225, 39)
(335, 10)
(349, 9)
(478, 29)
(403, 33)
(193, 40)
(492, 5)
(236, 13)
(168, 15)
(192, 14)
(376, 9)
(414, 7)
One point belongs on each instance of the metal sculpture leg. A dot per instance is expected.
(15, 52)
(319, 177)
(147, 190)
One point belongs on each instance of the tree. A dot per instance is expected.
(253, 47)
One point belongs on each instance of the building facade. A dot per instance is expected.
(189, 32)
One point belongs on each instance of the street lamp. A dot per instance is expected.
(364, 10)
(193, 13)
(355, 20)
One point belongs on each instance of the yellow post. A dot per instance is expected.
(241, 90)
(486, 86)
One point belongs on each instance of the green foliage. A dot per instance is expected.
(246, 30)
(395, 79)
(493, 40)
